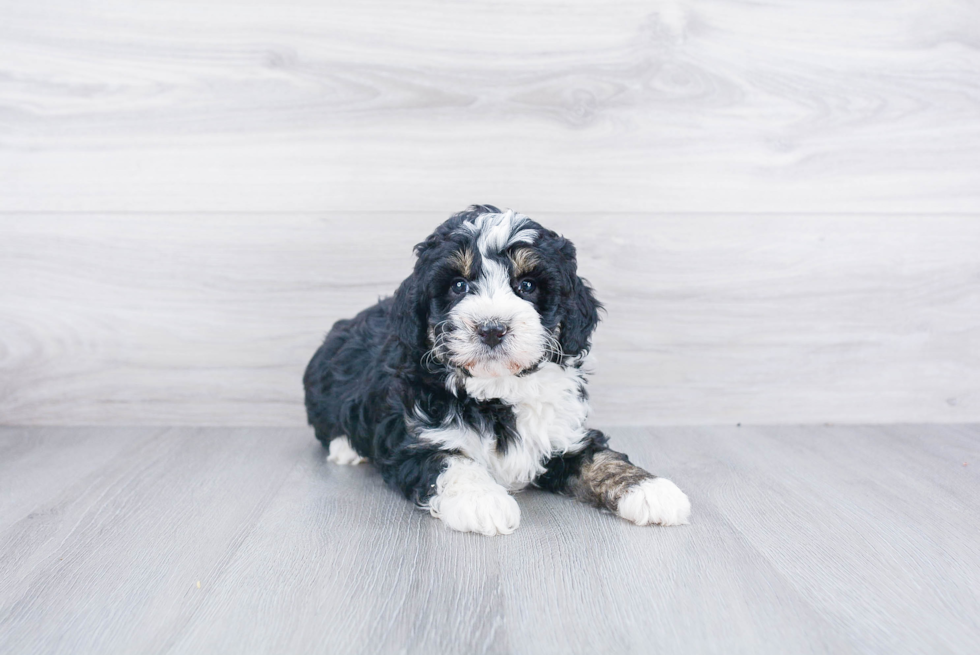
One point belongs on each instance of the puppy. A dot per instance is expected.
(470, 382)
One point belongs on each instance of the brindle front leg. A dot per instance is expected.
(604, 478)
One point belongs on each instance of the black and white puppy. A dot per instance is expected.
(470, 383)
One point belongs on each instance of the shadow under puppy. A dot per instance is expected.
(470, 383)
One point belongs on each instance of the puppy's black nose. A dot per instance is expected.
(491, 333)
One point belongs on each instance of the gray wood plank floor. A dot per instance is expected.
(244, 540)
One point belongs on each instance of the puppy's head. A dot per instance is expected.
(494, 293)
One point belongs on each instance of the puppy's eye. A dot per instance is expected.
(527, 286)
(460, 286)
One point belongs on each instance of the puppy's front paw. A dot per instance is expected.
(655, 501)
(469, 500)
(342, 453)
(486, 513)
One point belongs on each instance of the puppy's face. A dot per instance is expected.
(499, 294)
(491, 297)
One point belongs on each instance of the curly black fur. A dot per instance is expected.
(371, 379)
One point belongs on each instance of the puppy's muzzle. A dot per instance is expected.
(491, 333)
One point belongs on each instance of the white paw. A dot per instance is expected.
(469, 500)
(655, 501)
(342, 453)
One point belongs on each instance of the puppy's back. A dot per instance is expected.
(339, 367)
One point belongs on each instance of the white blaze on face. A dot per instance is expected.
(493, 301)
(497, 232)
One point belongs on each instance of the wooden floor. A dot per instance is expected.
(244, 540)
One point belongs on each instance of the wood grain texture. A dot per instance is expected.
(160, 319)
(563, 105)
(805, 540)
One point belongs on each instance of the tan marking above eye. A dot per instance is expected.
(524, 261)
(462, 261)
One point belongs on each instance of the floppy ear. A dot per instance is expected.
(581, 307)
(407, 317)
(410, 307)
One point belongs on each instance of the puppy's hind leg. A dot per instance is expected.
(607, 479)
(342, 453)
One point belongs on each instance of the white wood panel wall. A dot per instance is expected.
(210, 319)
(560, 105)
(778, 202)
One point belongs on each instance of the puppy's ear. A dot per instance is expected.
(406, 319)
(410, 307)
(581, 308)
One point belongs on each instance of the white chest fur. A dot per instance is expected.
(550, 419)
